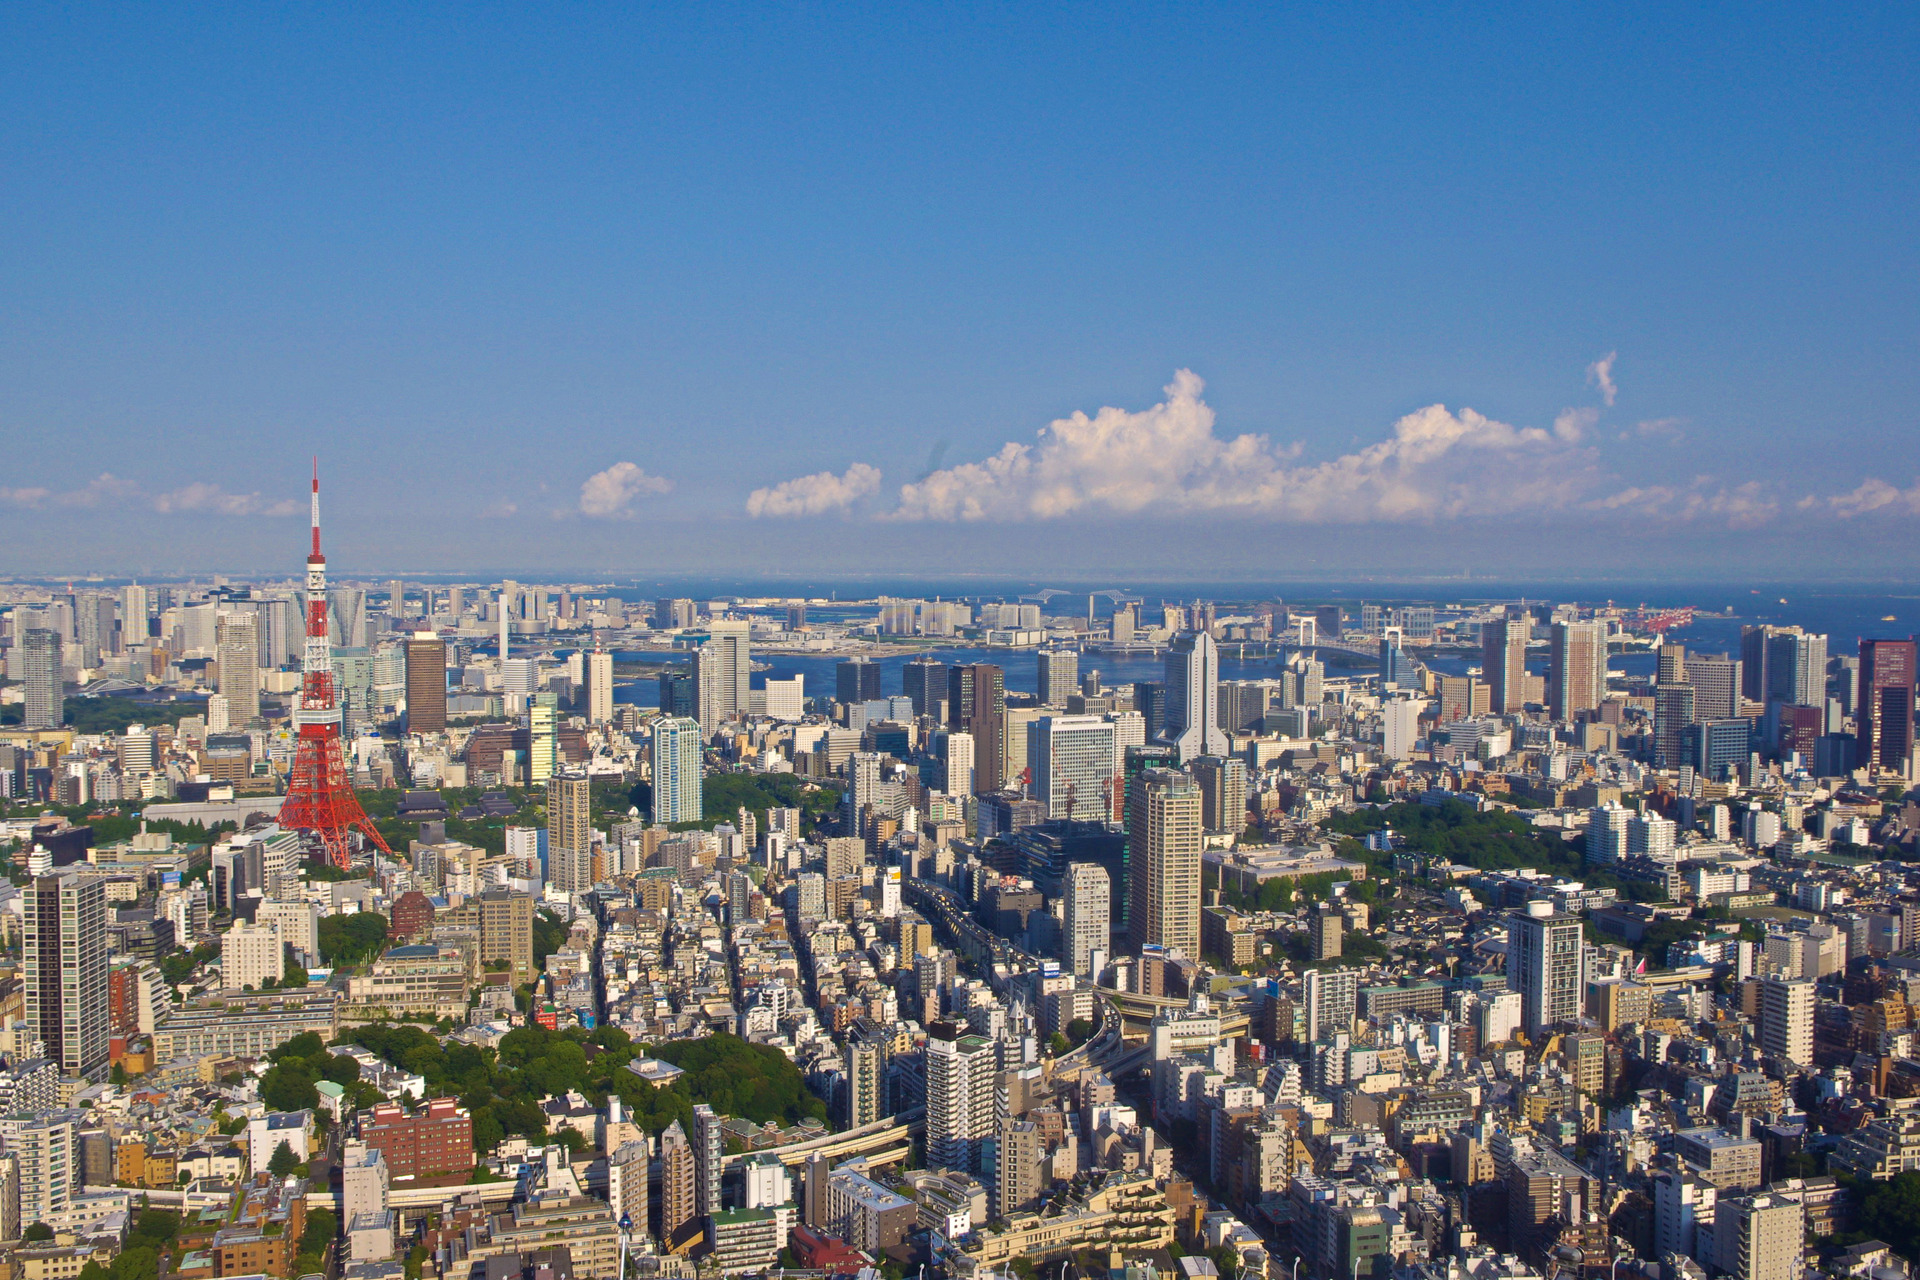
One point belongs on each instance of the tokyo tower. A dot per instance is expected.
(319, 799)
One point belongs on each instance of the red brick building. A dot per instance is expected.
(437, 1138)
(412, 915)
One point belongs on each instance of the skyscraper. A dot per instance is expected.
(1059, 676)
(238, 647)
(1163, 860)
(960, 1112)
(924, 681)
(1673, 711)
(1071, 759)
(1716, 685)
(1885, 714)
(1193, 691)
(1576, 668)
(1223, 793)
(858, 680)
(426, 683)
(866, 1088)
(1089, 915)
(45, 683)
(731, 667)
(679, 694)
(1797, 668)
(676, 770)
(956, 756)
(543, 737)
(709, 1157)
(678, 1179)
(65, 959)
(1503, 663)
(1546, 963)
(570, 832)
(1396, 668)
(977, 704)
(599, 673)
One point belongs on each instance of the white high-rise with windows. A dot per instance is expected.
(957, 779)
(1089, 915)
(599, 673)
(676, 753)
(1193, 691)
(1071, 759)
(961, 1070)
(1546, 963)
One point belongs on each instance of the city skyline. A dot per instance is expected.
(1565, 292)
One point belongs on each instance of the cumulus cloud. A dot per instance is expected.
(1741, 506)
(102, 488)
(1664, 428)
(610, 494)
(1167, 460)
(210, 499)
(814, 495)
(1600, 374)
(1572, 424)
(29, 496)
(1876, 496)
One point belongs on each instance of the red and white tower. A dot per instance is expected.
(320, 799)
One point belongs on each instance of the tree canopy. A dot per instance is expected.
(349, 940)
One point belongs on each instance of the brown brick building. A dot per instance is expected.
(437, 1138)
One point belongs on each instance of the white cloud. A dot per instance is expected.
(1876, 495)
(1572, 424)
(1668, 429)
(1742, 506)
(610, 494)
(1600, 374)
(104, 487)
(816, 494)
(30, 496)
(1167, 461)
(203, 498)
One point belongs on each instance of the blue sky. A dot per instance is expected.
(477, 257)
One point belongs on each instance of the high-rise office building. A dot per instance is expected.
(1797, 668)
(1163, 860)
(1089, 915)
(1397, 667)
(924, 681)
(1576, 668)
(65, 962)
(977, 704)
(1193, 693)
(426, 683)
(1071, 760)
(960, 1071)
(1884, 718)
(1673, 711)
(956, 755)
(676, 751)
(1399, 727)
(347, 617)
(599, 673)
(1546, 963)
(43, 678)
(1716, 685)
(680, 695)
(570, 832)
(1786, 1018)
(1671, 665)
(135, 605)
(1223, 793)
(728, 669)
(543, 737)
(1150, 700)
(237, 646)
(1059, 676)
(858, 680)
(1503, 663)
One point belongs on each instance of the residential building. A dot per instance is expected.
(65, 963)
